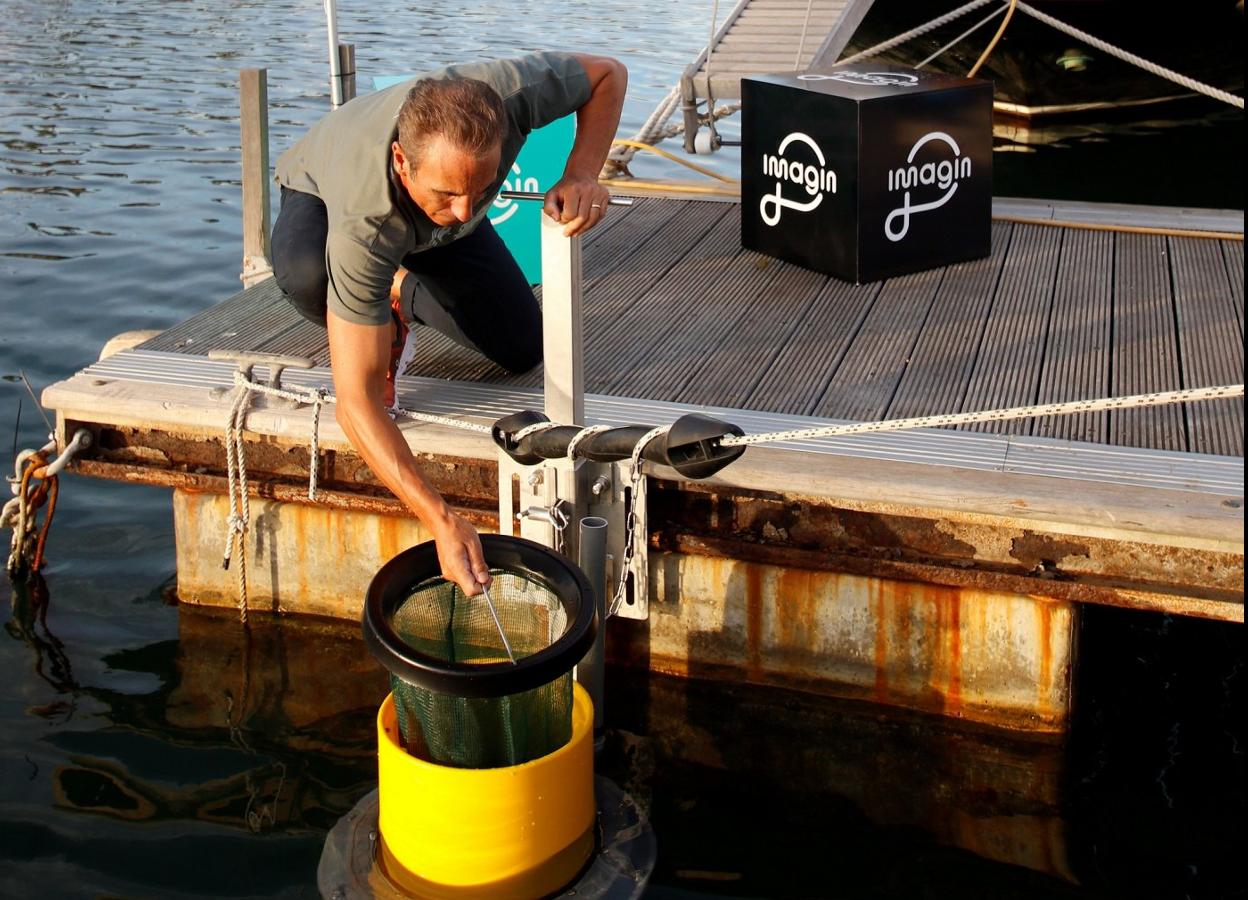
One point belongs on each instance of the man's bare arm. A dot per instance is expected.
(578, 200)
(360, 356)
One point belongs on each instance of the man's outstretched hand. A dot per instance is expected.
(460, 555)
(578, 203)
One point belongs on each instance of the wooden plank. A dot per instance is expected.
(303, 338)
(1233, 256)
(1007, 370)
(253, 90)
(733, 359)
(677, 344)
(1145, 345)
(1076, 360)
(816, 346)
(241, 322)
(637, 257)
(1211, 343)
(864, 384)
(939, 370)
(617, 351)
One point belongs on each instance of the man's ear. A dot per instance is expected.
(396, 154)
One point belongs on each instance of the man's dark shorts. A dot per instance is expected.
(471, 290)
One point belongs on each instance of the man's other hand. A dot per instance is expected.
(579, 203)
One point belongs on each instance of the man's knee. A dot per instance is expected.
(298, 247)
(519, 356)
(303, 280)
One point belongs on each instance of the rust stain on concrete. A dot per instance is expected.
(1044, 622)
(753, 619)
(952, 603)
(796, 608)
(881, 640)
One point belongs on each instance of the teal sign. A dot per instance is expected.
(537, 168)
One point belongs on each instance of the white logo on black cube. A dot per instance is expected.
(866, 173)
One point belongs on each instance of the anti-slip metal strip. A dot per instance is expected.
(963, 450)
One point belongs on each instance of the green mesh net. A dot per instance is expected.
(437, 619)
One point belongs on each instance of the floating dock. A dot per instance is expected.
(939, 570)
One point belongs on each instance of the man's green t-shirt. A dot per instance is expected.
(345, 161)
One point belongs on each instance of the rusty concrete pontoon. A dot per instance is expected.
(941, 571)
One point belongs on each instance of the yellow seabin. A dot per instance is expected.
(514, 832)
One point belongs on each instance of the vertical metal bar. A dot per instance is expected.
(346, 66)
(562, 325)
(591, 673)
(335, 67)
(253, 94)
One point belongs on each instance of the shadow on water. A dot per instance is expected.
(251, 742)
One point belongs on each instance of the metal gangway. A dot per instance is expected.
(760, 36)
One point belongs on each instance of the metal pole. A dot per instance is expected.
(562, 325)
(335, 64)
(591, 673)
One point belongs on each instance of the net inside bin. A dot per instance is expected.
(482, 732)
(458, 699)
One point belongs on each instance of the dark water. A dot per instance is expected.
(151, 752)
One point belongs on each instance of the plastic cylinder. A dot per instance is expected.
(520, 831)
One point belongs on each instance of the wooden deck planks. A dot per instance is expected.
(676, 310)
(863, 386)
(798, 376)
(1145, 349)
(939, 370)
(1211, 343)
(727, 371)
(1007, 371)
(1076, 359)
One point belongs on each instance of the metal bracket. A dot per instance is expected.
(534, 499)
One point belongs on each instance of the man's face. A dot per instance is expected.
(446, 183)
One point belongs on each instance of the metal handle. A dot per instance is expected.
(539, 195)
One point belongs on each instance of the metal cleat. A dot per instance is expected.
(247, 360)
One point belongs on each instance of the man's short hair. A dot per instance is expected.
(467, 112)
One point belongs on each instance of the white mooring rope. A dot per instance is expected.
(1126, 56)
(237, 464)
(992, 415)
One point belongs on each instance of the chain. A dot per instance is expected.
(635, 478)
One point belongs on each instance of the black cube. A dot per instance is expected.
(866, 171)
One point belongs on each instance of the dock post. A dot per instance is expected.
(554, 495)
(253, 90)
(346, 70)
(562, 325)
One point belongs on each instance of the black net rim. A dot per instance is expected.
(394, 581)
